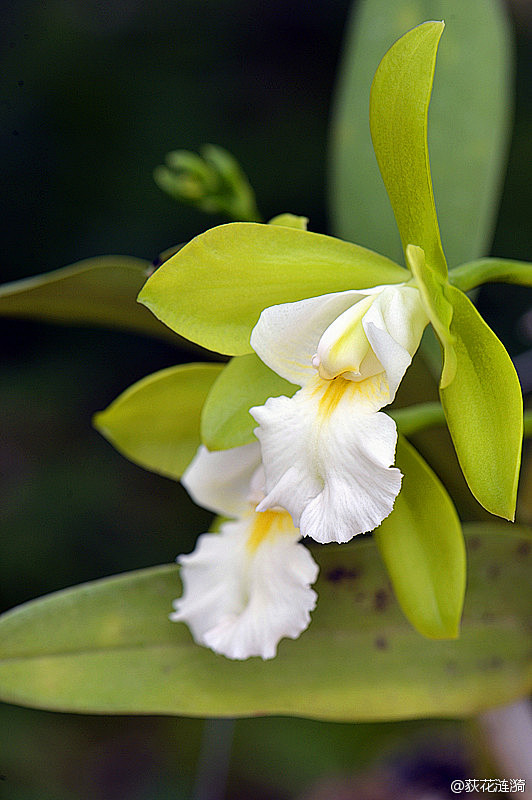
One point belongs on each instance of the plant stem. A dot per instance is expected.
(213, 761)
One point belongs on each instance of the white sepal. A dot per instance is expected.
(247, 587)
(221, 480)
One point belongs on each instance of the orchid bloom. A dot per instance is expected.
(327, 451)
(248, 586)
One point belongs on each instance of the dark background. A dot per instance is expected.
(92, 96)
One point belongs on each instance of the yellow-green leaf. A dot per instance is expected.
(156, 422)
(422, 545)
(214, 289)
(484, 409)
(108, 647)
(97, 291)
(399, 105)
(245, 382)
(469, 123)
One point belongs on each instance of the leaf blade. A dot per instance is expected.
(486, 426)
(156, 422)
(245, 382)
(399, 103)
(422, 545)
(213, 290)
(108, 647)
(96, 291)
(471, 104)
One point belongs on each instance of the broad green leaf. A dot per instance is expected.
(491, 270)
(108, 647)
(156, 422)
(468, 132)
(438, 308)
(245, 382)
(214, 289)
(97, 291)
(484, 409)
(398, 115)
(422, 545)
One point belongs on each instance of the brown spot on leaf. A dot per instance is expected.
(474, 542)
(493, 662)
(381, 643)
(381, 600)
(493, 572)
(343, 574)
(523, 549)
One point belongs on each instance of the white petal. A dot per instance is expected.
(394, 325)
(344, 344)
(220, 480)
(287, 335)
(247, 587)
(327, 456)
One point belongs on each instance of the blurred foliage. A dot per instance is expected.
(93, 96)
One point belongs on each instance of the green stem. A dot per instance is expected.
(490, 270)
(413, 419)
(418, 417)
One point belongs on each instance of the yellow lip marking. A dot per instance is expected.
(370, 392)
(332, 396)
(268, 523)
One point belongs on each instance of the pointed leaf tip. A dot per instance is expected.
(399, 103)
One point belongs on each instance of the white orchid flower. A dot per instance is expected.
(248, 586)
(327, 451)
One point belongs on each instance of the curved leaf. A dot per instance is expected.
(108, 647)
(422, 545)
(96, 291)
(245, 382)
(399, 106)
(484, 409)
(214, 289)
(471, 105)
(156, 422)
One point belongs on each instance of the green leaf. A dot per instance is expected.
(97, 291)
(156, 422)
(438, 308)
(214, 289)
(469, 123)
(491, 270)
(422, 545)
(484, 410)
(245, 382)
(108, 647)
(399, 107)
